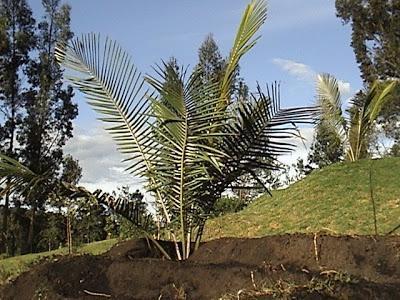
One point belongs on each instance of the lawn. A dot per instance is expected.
(336, 199)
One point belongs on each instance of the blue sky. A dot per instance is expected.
(299, 39)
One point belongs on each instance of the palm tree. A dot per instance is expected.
(352, 130)
(182, 136)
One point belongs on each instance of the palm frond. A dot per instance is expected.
(380, 93)
(262, 131)
(114, 88)
(365, 115)
(252, 20)
(329, 99)
(17, 177)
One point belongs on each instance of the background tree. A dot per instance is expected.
(49, 106)
(376, 44)
(16, 42)
(71, 173)
(326, 148)
(89, 223)
(52, 235)
(211, 67)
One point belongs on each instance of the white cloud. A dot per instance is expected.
(100, 160)
(305, 73)
(299, 70)
(344, 88)
(302, 146)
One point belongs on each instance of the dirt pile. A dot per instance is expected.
(287, 266)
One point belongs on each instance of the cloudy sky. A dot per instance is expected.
(300, 39)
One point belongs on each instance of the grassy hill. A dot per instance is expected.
(335, 199)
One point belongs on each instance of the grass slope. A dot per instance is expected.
(13, 266)
(335, 199)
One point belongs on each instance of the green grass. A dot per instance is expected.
(13, 266)
(335, 199)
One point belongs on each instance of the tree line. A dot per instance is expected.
(36, 108)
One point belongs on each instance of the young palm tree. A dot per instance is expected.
(353, 130)
(179, 133)
(182, 136)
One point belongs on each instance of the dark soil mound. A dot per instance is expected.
(287, 266)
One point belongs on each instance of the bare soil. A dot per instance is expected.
(296, 266)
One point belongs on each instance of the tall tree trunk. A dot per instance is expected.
(10, 150)
(69, 234)
(4, 238)
(32, 228)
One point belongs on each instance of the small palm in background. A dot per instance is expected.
(353, 130)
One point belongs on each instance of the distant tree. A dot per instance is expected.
(49, 106)
(112, 226)
(326, 148)
(132, 213)
(16, 42)
(395, 151)
(89, 223)
(211, 67)
(71, 174)
(228, 204)
(71, 170)
(376, 43)
(375, 36)
(52, 235)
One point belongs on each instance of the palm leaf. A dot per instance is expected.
(365, 115)
(380, 93)
(16, 177)
(260, 133)
(252, 20)
(329, 99)
(114, 88)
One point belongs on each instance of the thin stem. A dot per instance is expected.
(372, 199)
(159, 247)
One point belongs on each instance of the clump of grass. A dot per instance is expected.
(324, 284)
